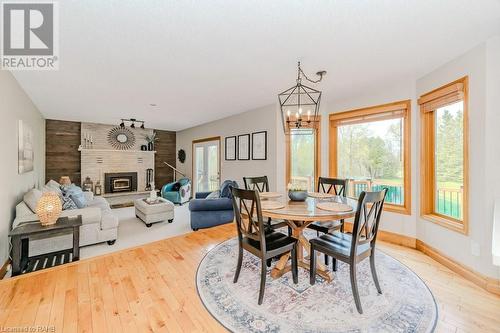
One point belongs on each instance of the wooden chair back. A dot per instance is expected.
(260, 184)
(248, 215)
(332, 185)
(367, 219)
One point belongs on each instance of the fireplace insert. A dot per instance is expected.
(120, 182)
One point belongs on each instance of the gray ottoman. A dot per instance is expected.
(163, 210)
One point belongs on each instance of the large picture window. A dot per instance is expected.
(370, 147)
(444, 155)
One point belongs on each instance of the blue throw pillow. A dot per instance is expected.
(75, 193)
(225, 189)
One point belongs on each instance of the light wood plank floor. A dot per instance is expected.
(152, 288)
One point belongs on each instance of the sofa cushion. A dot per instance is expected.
(99, 202)
(213, 195)
(31, 198)
(89, 214)
(225, 188)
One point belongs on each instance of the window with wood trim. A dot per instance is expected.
(303, 158)
(444, 155)
(371, 148)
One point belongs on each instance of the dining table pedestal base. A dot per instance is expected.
(282, 265)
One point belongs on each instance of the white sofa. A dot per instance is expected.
(99, 225)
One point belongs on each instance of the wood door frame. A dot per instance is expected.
(317, 153)
(213, 138)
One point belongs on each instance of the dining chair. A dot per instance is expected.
(253, 237)
(332, 186)
(355, 247)
(260, 184)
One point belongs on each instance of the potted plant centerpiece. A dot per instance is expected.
(297, 191)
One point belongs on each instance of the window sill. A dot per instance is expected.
(397, 209)
(446, 222)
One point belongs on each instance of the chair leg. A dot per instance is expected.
(289, 231)
(374, 273)
(238, 266)
(262, 281)
(334, 264)
(295, 271)
(341, 225)
(354, 286)
(326, 260)
(312, 264)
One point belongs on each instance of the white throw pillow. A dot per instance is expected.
(31, 198)
(54, 186)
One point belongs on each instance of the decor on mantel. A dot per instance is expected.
(181, 155)
(88, 141)
(230, 148)
(25, 148)
(121, 138)
(132, 121)
(49, 208)
(151, 139)
(244, 147)
(300, 105)
(259, 145)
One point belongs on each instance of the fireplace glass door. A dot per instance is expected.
(206, 166)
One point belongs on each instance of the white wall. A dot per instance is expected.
(16, 105)
(481, 65)
(261, 119)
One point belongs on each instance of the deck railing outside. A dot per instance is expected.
(448, 200)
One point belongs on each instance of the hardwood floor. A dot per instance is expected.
(152, 288)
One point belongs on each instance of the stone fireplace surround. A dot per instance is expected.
(102, 158)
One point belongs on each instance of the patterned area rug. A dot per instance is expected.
(406, 304)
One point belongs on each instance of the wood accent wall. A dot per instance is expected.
(165, 151)
(62, 157)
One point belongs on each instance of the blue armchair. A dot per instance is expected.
(177, 192)
(207, 212)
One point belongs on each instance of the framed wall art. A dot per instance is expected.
(230, 148)
(259, 145)
(244, 147)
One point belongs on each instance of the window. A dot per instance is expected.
(371, 148)
(303, 158)
(444, 155)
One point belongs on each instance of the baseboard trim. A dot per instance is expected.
(487, 283)
(391, 237)
(3, 269)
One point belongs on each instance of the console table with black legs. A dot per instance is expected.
(21, 235)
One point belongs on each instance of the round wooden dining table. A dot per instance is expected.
(298, 215)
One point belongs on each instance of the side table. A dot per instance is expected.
(20, 236)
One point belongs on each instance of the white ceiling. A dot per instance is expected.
(204, 60)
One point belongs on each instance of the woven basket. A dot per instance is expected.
(49, 208)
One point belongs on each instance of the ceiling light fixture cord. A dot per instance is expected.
(320, 74)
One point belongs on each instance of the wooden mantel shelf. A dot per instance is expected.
(117, 150)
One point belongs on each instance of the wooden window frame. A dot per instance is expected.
(317, 153)
(427, 161)
(393, 111)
